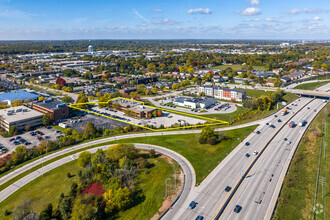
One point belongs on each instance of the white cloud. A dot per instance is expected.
(200, 11)
(253, 20)
(254, 2)
(158, 10)
(112, 27)
(315, 26)
(140, 16)
(316, 18)
(165, 22)
(294, 11)
(250, 11)
(277, 21)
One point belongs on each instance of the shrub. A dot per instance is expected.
(212, 140)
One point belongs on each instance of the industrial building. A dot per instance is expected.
(57, 110)
(223, 93)
(9, 97)
(19, 117)
(136, 108)
(194, 103)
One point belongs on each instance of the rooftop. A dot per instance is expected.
(51, 104)
(19, 94)
(18, 113)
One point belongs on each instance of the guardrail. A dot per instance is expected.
(251, 165)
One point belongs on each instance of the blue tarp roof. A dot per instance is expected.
(19, 94)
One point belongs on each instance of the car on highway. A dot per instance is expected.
(285, 139)
(255, 152)
(275, 116)
(237, 208)
(279, 120)
(199, 217)
(289, 142)
(272, 126)
(258, 132)
(267, 123)
(247, 155)
(308, 108)
(192, 205)
(228, 188)
(247, 143)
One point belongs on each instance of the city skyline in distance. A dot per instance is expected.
(128, 19)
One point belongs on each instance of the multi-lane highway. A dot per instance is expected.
(211, 193)
(259, 190)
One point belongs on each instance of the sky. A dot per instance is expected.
(160, 19)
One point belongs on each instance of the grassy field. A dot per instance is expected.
(310, 86)
(237, 67)
(296, 200)
(203, 157)
(43, 190)
(47, 189)
(153, 186)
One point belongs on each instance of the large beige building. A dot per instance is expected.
(19, 117)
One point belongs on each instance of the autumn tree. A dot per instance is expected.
(84, 158)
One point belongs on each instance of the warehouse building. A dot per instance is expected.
(9, 97)
(57, 110)
(19, 117)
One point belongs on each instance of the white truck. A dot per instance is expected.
(302, 123)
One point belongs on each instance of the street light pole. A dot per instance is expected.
(166, 186)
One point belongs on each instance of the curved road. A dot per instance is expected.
(189, 171)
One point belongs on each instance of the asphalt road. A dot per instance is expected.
(211, 193)
(260, 189)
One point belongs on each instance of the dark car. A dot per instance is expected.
(12, 139)
(228, 188)
(247, 143)
(279, 120)
(247, 155)
(258, 132)
(48, 127)
(199, 217)
(267, 123)
(192, 205)
(285, 139)
(18, 137)
(237, 208)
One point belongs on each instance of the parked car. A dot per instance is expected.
(258, 132)
(12, 139)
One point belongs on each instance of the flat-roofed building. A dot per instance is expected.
(55, 109)
(222, 93)
(19, 117)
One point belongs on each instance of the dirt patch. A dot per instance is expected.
(169, 160)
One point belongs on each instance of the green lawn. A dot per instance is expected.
(203, 157)
(310, 86)
(47, 189)
(237, 67)
(43, 190)
(153, 186)
(296, 200)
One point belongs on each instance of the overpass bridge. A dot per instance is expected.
(311, 93)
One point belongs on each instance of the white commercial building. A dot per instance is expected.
(194, 103)
(19, 117)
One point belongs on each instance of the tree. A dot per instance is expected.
(41, 98)
(17, 102)
(154, 113)
(47, 213)
(90, 130)
(22, 210)
(46, 119)
(207, 135)
(84, 158)
(12, 131)
(27, 127)
(67, 131)
(141, 89)
(82, 209)
(60, 81)
(152, 153)
(67, 99)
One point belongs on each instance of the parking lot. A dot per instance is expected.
(97, 120)
(167, 119)
(47, 134)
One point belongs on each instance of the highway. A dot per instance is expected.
(258, 193)
(211, 193)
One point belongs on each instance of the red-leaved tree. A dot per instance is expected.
(60, 81)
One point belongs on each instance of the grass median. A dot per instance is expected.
(311, 86)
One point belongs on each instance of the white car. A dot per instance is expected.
(255, 152)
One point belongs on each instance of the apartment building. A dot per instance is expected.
(223, 93)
